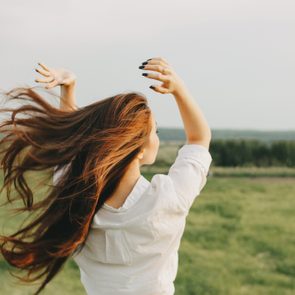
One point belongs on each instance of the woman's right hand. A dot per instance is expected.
(172, 83)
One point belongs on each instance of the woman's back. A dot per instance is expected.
(134, 249)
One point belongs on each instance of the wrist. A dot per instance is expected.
(180, 91)
(67, 97)
(72, 84)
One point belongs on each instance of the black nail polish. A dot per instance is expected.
(149, 59)
(144, 74)
(141, 67)
(152, 87)
(144, 63)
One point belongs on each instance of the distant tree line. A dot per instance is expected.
(243, 152)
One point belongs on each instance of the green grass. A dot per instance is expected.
(239, 239)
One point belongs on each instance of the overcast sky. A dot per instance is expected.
(236, 57)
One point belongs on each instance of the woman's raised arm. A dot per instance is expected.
(196, 127)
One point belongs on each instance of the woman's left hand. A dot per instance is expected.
(55, 77)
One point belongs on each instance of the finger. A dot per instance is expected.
(43, 72)
(159, 88)
(157, 68)
(156, 76)
(52, 84)
(155, 62)
(49, 79)
(158, 59)
(43, 66)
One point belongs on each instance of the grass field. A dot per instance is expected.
(239, 239)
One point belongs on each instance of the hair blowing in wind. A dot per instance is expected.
(95, 143)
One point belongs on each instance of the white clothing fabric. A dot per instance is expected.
(134, 249)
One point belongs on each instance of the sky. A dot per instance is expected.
(236, 57)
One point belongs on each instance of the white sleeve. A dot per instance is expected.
(57, 174)
(188, 173)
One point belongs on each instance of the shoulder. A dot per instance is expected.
(161, 182)
(185, 179)
(163, 188)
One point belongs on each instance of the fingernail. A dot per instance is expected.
(152, 87)
(144, 63)
(141, 67)
(149, 59)
(144, 74)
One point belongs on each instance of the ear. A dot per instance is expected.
(140, 154)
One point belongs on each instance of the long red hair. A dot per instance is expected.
(96, 142)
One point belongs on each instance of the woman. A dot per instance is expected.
(122, 231)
